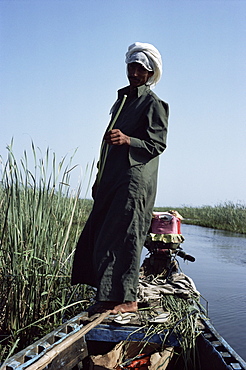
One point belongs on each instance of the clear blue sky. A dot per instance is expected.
(62, 62)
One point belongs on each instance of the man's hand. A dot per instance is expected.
(116, 137)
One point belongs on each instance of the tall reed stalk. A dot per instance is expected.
(40, 222)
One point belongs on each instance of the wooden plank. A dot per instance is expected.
(69, 356)
(55, 346)
(51, 355)
(36, 350)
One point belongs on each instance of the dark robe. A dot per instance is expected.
(109, 249)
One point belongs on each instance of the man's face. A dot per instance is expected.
(137, 74)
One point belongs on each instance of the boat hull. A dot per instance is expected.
(213, 351)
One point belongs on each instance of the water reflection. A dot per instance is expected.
(227, 246)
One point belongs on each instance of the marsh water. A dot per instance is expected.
(219, 273)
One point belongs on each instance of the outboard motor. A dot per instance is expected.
(163, 243)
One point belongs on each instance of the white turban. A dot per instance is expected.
(148, 56)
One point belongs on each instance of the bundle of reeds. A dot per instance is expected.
(183, 322)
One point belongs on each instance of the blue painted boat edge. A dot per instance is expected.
(112, 333)
(234, 354)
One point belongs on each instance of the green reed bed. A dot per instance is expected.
(40, 221)
(227, 216)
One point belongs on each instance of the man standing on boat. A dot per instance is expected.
(109, 249)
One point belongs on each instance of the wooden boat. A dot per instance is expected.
(70, 345)
(90, 342)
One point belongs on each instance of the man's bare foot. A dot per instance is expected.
(125, 307)
(114, 307)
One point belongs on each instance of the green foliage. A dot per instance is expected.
(40, 222)
(227, 216)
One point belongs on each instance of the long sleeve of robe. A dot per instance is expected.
(109, 249)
